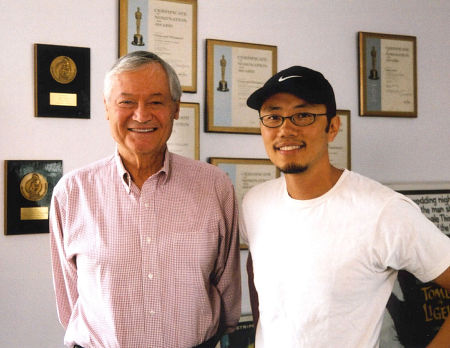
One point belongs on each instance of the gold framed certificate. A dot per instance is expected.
(246, 173)
(28, 186)
(387, 75)
(340, 149)
(234, 70)
(165, 27)
(185, 136)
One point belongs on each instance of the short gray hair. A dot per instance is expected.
(135, 60)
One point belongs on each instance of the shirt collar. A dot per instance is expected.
(125, 176)
(165, 170)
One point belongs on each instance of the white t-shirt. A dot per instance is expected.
(324, 268)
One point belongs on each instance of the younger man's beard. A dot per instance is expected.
(293, 169)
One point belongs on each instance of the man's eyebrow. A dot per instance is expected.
(275, 107)
(303, 105)
(271, 108)
(125, 94)
(158, 94)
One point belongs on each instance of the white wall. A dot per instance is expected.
(317, 33)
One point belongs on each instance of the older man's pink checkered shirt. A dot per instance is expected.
(156, 267)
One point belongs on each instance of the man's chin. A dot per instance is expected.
(293, 169)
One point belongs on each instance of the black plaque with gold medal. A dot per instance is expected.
(29, 187)
(62, 81)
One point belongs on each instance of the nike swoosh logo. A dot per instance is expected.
(281, 79)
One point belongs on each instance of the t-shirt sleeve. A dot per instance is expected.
(244, 219)
(242, 228)
(411, 241)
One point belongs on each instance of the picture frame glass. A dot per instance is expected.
(388, 75)
(246, 173)
(185, 136)
(167, 28)
(234, 71)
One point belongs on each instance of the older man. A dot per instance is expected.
(326, 243)
(145, 243)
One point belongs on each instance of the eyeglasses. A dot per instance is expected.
(301, 119)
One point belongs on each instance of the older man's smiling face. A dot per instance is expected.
(141, 111)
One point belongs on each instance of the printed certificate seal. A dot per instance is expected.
(63, 69)
(33, 187)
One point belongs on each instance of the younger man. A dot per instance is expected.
(325, 243)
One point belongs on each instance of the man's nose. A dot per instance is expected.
(142, 113)
(288, 128)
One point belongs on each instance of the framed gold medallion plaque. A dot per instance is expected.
(29, 186)
(62, 81)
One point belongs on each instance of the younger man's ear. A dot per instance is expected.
(335, 124)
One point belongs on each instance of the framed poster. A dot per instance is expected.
(234, 70)
(246, 173)
(387, 75)
(28, 187)
(62, 81)
(185, 136)
(340, 150)
(416, 310)
(242, 337)
(165, 27)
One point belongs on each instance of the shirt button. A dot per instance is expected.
(152, 312)
(149, 239)
(147, 205)
(150, 276)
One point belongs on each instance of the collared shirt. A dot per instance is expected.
(156, 267)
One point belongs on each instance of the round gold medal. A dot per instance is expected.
(63, 69)
(33, 186)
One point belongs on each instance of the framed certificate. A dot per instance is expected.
(165, 27)
(339, 150)
(62, 81)
(29, 187)
(246, 173)
(387, 75)
(234, 70)
(184, 139)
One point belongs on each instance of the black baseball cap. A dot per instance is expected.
(302, 82)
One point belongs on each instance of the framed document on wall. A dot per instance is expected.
(185, 136)
(234, 70)
(387, 75)
(167, 28)
(340, 149)
(246, 173)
